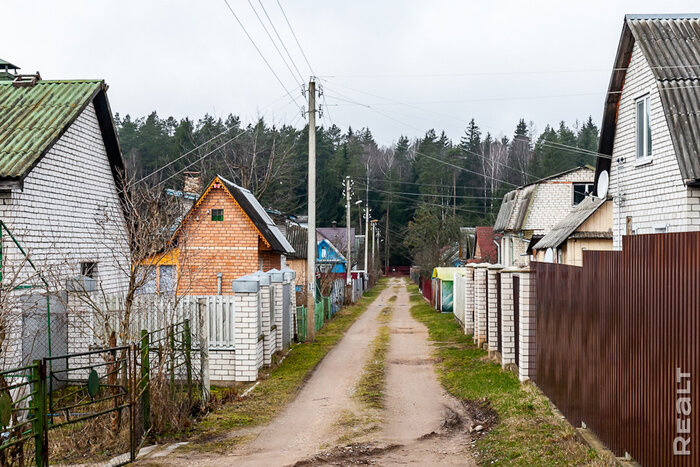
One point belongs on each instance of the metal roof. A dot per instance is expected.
(5, 65)
(259, 216)
(297, 237)
(32, 118)
(570, 223)
(506, 210)
(671, 46)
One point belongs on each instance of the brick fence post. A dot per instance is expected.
(289, 278)
(528, 350)
(469, 300)
(507, 317)
(247, 342)
(269, 339)
(277, 279)
(480, 303)
(492, 300)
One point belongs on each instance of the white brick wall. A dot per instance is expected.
(492, 331)
(480, 304)
(652, 194)
(249, 348)
(469, 300)
(507, 318)
(278, 313)
(269, 335)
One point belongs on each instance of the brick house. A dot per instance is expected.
(60, 173)
(529, 212)
(226, 235)
(651, 127)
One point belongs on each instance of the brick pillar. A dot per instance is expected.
(492, 300)
(248, 342)
(469, 300)
(277, 279)
(507, 317)
(269, 339)
(528, 350)
(480, 303)
(458, 294)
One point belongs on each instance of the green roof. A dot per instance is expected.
(32, 118)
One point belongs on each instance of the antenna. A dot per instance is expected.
(603, 183)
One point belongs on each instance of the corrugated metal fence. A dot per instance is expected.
(618, 345)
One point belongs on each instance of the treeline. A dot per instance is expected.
(427, 187)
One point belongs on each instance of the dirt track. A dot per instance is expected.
(421, 425)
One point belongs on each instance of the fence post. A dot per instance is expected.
(39, 428)
(246, 290)
(492, 333)
(203, 339)
(527, 342)
(145, 380)
(480, 304)
(172, 358)
(187, 341)
(469, 300)
(277, 280)
(507, 317)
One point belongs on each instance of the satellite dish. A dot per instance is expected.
(549, 255)
(603, 183)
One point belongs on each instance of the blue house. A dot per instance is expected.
(328, 258)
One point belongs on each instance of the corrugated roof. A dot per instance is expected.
(570, 223)
(506, 210)
(259, 216)
(297, 237)
(671, 46)
(447, 274)
(32, 118)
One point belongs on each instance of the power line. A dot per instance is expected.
(416, 183)
(273, 41)
(259, 52)
(295, 38)
(281, 41)
(377, 190)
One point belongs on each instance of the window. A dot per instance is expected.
(324, 252)
(581, 190)
(166, 279)
(643, 128)
(88, 269)
(217, 214)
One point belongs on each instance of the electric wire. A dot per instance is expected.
(291, 59)
(296, 39)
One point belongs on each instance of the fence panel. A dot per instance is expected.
(617, 345)
(516, 316)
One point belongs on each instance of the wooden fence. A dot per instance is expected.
(618, 345)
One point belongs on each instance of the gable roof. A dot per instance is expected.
(338, 236)
(254, 210)
(340, 259)
(570, 223)
(671, 46)
(484, 239)
(33, 118)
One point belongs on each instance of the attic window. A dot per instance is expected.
(217, 214)
(643, 128)
(581, 190)
(88, 269)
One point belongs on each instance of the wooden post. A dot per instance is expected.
(41, 451)
(145, 381)
(187, 340)
(203, 339)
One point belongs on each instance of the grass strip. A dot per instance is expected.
(281, 385)
(528, 432)
(372, 384)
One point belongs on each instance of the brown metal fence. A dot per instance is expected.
(618, 345)
(516, 316)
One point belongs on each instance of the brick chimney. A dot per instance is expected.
(193, 183)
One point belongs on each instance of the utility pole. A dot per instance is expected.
(366, 237)
(454, 193)
(311, 232)
(348, 266)
(386, 244)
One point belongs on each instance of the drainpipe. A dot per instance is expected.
(219, 277)
(498, 251)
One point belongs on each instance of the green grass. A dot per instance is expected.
(281, 385)
(372, 384)
(528, 432)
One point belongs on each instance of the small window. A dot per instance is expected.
(88, 269)
(166, 279)
(217, 214)
(643, 128)
(581, 190)
(324, 252)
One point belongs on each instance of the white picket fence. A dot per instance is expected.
(155, 313)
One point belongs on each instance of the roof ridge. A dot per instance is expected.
(661, 16)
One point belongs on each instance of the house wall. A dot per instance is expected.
(553, 200)
(69, 211)
(208, 247)
(512, 250)
(572, 250)
(299, 266)
(652, 195)
(270, 259)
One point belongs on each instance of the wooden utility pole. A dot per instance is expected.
(348, 266)
(311, 240)
(454, 193)
(386, 244)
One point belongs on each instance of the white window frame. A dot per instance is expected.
(646, 128)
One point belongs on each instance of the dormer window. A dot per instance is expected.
(643, 128)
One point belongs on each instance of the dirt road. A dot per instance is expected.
(325, 424)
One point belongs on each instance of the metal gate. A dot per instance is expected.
(286, 316)
(516, 316)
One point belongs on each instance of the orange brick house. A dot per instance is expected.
(225, 235)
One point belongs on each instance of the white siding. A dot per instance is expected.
(69, 211)
(652, 194)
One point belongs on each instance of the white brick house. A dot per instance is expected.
(651, 127)
(60, 164)
(531, 211)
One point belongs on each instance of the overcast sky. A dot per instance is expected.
(416, 64)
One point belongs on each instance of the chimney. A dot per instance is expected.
(335, 224)
(193, 183)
